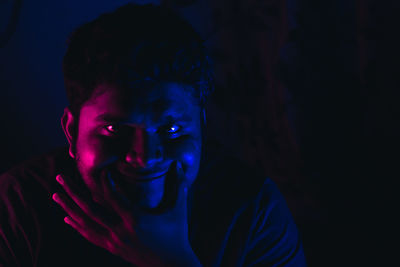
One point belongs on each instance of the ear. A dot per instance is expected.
(203, 116)
(68, 123)
(203, 124)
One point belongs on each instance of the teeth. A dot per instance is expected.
(149, 179)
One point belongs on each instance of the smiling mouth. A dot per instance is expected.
(142, 178)
(148, 178)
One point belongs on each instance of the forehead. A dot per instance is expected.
(155, 100)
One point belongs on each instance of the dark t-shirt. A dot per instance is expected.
(237, 218)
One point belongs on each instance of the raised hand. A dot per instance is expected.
(157, 237)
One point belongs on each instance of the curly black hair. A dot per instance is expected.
(135, 43)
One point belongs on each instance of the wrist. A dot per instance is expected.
(189, 258)
(183, 258)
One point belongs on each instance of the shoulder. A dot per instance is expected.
(228, 179)
(25, 192)
(257, 224)
(34, 173)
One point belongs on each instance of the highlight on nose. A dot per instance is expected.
(145, 149)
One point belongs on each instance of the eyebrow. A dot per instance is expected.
(180, 117)
(167, 117)
(108, 117)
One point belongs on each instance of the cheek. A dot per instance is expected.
(91, 152)
(191, 165)
(190, 158)
(188, 152)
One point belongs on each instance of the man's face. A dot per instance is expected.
(136, 137)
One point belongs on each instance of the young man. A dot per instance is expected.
(137, 185)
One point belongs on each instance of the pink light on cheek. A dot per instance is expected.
(89, 157)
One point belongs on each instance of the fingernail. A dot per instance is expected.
(56, 197)
(59, 179)
(179, 166)
(67, 220)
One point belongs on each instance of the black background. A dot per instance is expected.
(307, 92)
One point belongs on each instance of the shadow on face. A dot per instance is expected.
(135, 137)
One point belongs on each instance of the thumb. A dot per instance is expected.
(182, 187)
(175, 191)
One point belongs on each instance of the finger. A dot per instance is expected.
(70, 208)
(85, 204)
(88, 234)
(77, 217)
(174, 191)
(182, 190)
(76, 226)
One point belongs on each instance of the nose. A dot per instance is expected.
(145, 149)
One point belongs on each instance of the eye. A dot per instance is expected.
(112, 128)
(173, 130)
